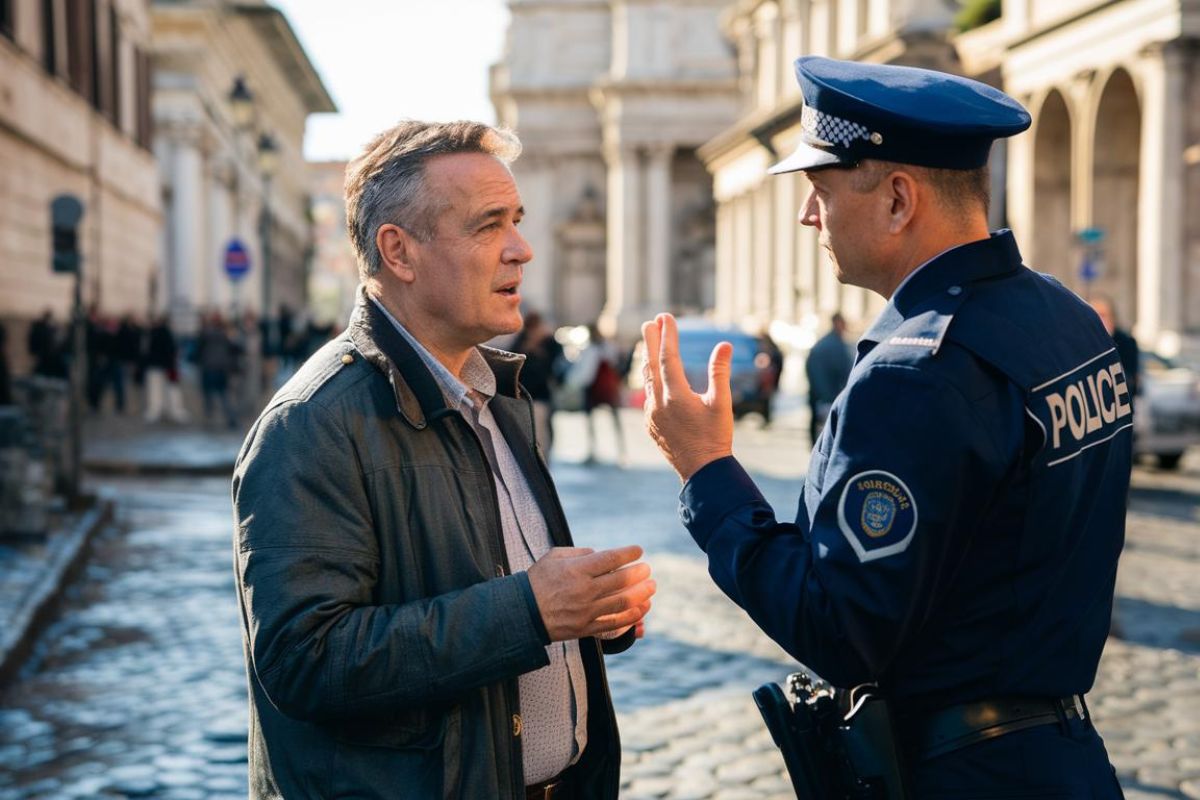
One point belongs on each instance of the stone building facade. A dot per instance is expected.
(214, 186)
(1114, 90)
(74, 118)
(611, 99)
(333, 283)
(770, 269)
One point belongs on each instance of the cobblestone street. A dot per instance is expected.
(138, 689)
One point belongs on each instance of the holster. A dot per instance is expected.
(837, 744)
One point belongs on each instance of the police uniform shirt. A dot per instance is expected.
(958, 532)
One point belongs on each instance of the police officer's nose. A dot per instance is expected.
(809, 213)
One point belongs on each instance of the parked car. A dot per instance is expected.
(1167, 410)
(752, 378)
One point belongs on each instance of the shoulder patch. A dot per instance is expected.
(877, 514)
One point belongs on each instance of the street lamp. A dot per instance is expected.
(241, 103)
(268, 163)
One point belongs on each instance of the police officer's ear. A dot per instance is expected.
(904, 193)
(397, 251)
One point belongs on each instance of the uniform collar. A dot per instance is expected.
(948, 273)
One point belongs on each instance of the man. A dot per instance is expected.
(827, 369)
(415, 621)
(964, 509)
(1127, 346)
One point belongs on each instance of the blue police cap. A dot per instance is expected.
(854, 111)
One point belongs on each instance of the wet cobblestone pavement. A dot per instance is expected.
(138, 689)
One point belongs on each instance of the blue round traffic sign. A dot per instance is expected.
(237, 260)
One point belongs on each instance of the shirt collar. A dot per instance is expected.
(956, 267)
(476, 374)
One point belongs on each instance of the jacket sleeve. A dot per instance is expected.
(307, 562)
(909, 471)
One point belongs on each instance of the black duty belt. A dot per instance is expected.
(944, 731)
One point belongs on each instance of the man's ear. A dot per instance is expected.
(905, 198)
(397, 252)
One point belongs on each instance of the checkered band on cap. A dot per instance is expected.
(830, 129)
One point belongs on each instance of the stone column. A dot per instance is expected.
(785, 247)
(657, 219)
(187, 221)
(725, 260)
(1161, 198)
(625, 218)
(1020, 188)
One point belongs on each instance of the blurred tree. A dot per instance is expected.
(976, 13)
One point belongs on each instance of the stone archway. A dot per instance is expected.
(1115, 191)
(1052, 189)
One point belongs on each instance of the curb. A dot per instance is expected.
(64, 558)
(106, 467)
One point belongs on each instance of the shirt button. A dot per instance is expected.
(518, 725)
(347, 359)
(954, 291)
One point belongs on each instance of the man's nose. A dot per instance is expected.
(809, 213)
(518, 248)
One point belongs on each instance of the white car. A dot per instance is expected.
(1166, 411)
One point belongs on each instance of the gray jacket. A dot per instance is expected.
(384, 632)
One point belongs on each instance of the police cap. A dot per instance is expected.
(854, 111)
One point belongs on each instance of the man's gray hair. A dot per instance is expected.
(386, 183)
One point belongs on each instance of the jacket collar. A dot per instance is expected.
(418, 397)
(947, 274)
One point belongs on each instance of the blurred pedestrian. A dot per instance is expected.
(827, 368)
(164, 395)
(6, 397)
(217, 359)
(127, 351)
(597, 370)
(103, 361)
(540, 374)
(45, 344)
(1127, 346)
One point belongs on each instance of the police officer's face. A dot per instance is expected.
(468, 275)
(848, 224)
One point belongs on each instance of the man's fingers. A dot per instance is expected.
(618, 621)
(650, 337)
(608, 560)
(621, 579)
(670, 365)
(633, 597)
(568, 552)
(719, 366)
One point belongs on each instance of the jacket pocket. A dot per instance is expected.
(421, 729)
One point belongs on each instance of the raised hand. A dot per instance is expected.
(690, 429)
(584, 593)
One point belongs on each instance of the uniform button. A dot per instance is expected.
(347, 359)
(954, 291)
(518, 725)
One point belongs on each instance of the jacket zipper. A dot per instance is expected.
(500, 557)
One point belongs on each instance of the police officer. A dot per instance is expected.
(958, 534)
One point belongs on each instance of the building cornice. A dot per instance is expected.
(273, 28)
(761, 125)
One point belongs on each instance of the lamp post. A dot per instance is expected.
(268, 163)
(241, 107)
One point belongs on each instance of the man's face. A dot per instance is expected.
(848, 222)
(1105, 312)
(469, 272)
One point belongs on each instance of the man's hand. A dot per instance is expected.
(690, 429)
(583, 593)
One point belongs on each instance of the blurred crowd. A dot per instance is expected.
(222, 370)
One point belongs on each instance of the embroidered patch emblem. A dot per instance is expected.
(877, 515)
